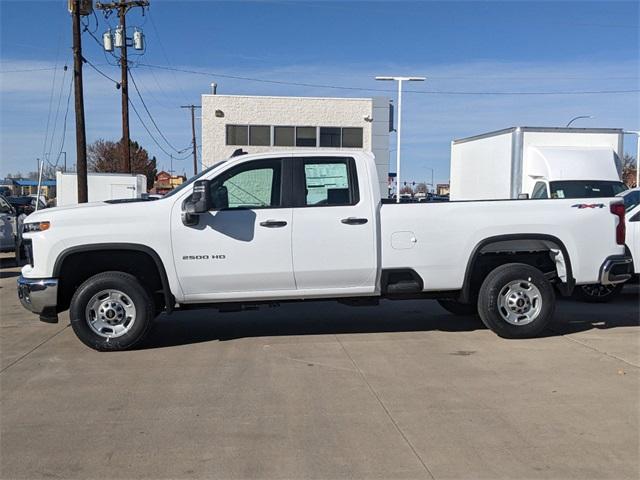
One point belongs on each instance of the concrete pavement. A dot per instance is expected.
(320, 390)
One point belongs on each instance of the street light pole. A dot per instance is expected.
(399, 134)
(578, 118)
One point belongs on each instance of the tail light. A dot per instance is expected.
(618, 210)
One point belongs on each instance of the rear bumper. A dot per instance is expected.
(616, 269)
(38, 295)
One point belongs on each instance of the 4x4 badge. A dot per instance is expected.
(588, 205)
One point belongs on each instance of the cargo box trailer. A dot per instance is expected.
(537, 162)
(100, 187)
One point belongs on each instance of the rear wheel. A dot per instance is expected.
(458, 308)
(598, 293)
(516, 301)
(111, 311)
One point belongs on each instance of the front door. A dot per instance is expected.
(243, 250)
(334, 229)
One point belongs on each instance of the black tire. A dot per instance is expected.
(597, 293)
(459, 308)
(501, 287)
(131, 288)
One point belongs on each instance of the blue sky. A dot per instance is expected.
(460, 46)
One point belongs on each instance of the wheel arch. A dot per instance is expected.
(516, 242)
(139, 249)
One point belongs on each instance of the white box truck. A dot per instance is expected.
(537, 162)
(100, 187)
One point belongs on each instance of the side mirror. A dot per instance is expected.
(221, 198)
(200, 202)
(201, 199)
(523, 196)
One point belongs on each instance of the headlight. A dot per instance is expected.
(35, 227)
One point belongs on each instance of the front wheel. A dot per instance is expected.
(516, 301)
(598, 293)
(111, 311)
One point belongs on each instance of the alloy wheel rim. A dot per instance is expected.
(519, 302)
(110, 313)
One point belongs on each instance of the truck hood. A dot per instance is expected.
(88, 210)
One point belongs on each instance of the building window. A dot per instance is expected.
(330, 137)
(260, 135)
(283, 136)
(352, 137)
(306, 137)
(237, 135)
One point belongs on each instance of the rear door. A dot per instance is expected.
(334, 227)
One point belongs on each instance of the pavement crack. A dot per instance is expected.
(33, 349)
(595, 349)
(384, 407)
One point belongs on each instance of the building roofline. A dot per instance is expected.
(364, 99)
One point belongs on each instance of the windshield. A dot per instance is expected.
(585, 189)
(631, 200)
(193, 179)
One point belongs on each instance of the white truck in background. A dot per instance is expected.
(100, 187)
(534, 162)
(295, 226)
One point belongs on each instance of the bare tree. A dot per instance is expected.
(421, 188)
(406, 190)
(629, 170)
(105, 156)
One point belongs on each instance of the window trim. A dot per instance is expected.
(299, 198)
(285, 181)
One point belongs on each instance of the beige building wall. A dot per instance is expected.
(370, 114)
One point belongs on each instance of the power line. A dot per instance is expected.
(135, 110)
(101, 72)
(55, 119)
(343, 87)
(135, 85)
(64, 125)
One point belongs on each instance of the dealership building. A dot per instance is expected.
(263, 124)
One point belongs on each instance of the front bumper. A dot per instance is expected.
(616, 269)
(38, 295)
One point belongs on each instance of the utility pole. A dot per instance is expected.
(123, 7)
(193, 135)
(81, 140)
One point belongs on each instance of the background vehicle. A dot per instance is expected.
(538, 162)
(292, 226)
(604, 293)
(8, 226)
(25, 205)
(101, 187)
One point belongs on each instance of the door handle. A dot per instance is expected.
(354, 221)
(273, 223)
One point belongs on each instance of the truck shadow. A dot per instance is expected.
(329, 318)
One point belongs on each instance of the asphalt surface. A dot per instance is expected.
(324, 391)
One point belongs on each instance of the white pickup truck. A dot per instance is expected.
(306, 226)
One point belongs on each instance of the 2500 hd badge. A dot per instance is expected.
(204, 257)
